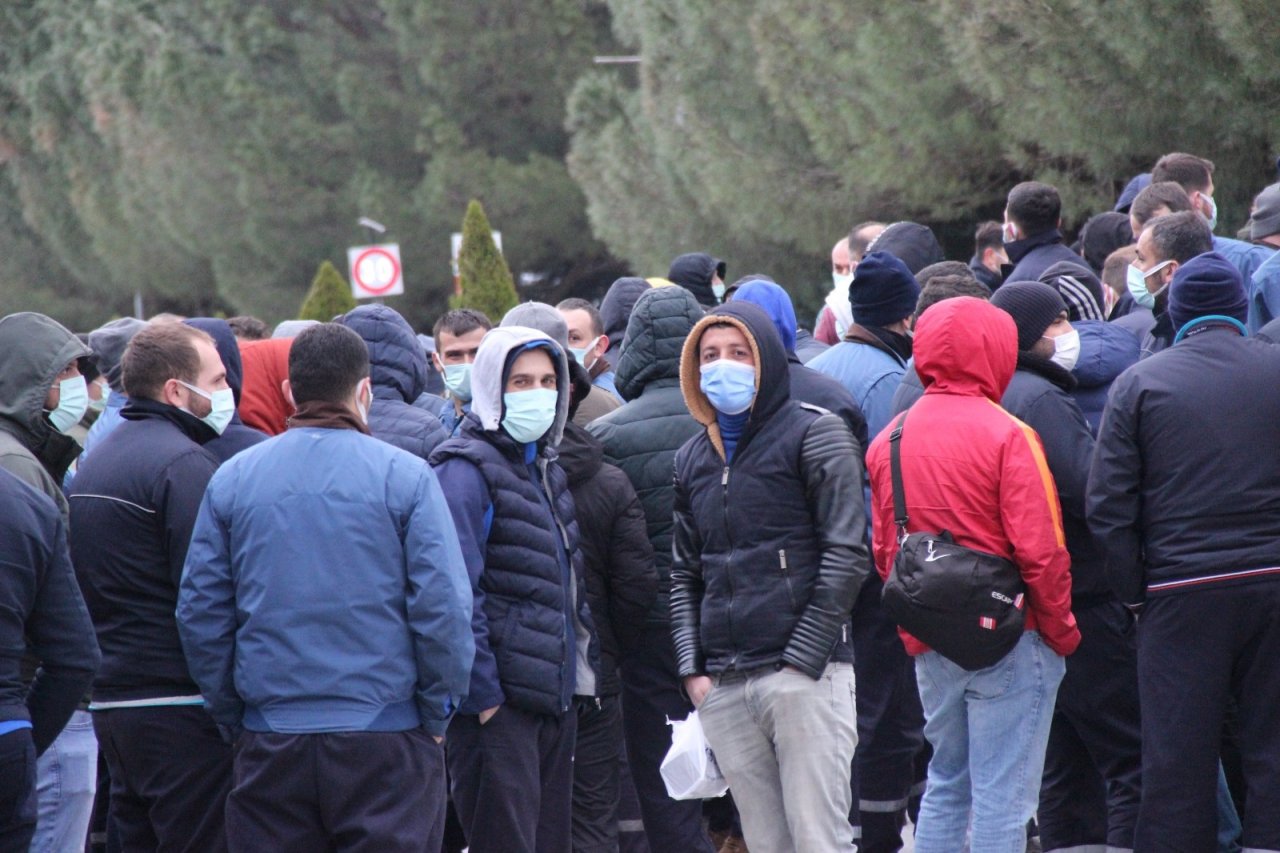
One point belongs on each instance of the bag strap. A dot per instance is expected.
(895, 472)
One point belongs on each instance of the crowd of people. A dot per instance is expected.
(342, 586)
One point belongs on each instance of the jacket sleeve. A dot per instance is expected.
(884, 532)
(687, 587)
(439, 601)
(179, 493)
(1032, 520)
(1068, 447)
(206, 610)
(632, 575)
(468, 499)
(61, 637)
(832, 470)
(1114, 501)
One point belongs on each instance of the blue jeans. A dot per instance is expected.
(67, 779)
(988, 730)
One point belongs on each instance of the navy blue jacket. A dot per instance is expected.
(1031, 256)
(1106, 351)
(39, 603)
(1183, 490)
(238, 435)
(133, 506)
(398, 371)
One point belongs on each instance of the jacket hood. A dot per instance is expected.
(910, 242)
(693, 272)
(1106, 351)
(966, 346)
(660, 322)
(228, 349)
(615, 311)
(397, 361)
(108, 343)
(262, 402)
(490, 369)
(773, 377)
(581, 454)
(34, 349)
(1078, 287)
(776, 303)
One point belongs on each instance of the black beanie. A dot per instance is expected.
(883, 291)
(1206, 284)
(1032, 305)
(911, 243)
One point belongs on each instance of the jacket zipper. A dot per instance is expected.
(728, 567)
(569, 594)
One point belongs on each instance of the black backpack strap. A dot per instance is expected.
(895, 472)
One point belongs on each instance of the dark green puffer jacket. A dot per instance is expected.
(642, 436)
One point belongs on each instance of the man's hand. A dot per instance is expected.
(697, 686)
(487, 714)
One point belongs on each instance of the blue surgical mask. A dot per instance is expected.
(73, 401)
(1136, 281)
(718, 289)
(1213, 211)
(104, 391)
(527, 415)
(729, 385)
(457, 378)
(222, 407)
(580, 355)
(841, 281)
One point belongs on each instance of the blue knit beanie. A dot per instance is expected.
(1207, 284)
(883, 291)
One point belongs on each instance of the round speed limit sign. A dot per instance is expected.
(375, 271)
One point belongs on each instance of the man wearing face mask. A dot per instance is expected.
(457, 334)
(588, 342)
(510, 747)
(1165, 243)
(1092, 774)
(549, 321)
(350, 685)
(701, 275)
(133, 506)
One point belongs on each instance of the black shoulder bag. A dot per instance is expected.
(964, 604)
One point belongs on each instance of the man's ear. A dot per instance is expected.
(287, 390)
(602, 346)
(1172, 270)
(171, 393)
(436, 363)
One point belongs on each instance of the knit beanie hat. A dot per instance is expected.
(1206, 284)
(108, 343)
(1078, 287)
(883, 291)
(1266, 213)
(1033, 306)
(910, 242)
(543, 318)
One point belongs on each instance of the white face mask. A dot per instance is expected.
(222, 406)
(841, 281)
(1066, 350)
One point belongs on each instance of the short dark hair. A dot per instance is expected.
(942, 287)
(1168, 194)
(989, 235)
(158, 353)
(1188, 170)
(1180, 236)
(943, 268)
(1034, 207)
(858, 245)
(248, 328)
(573, 303)
(460, 321)
(325, 363)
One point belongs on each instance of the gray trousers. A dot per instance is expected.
(785, 744)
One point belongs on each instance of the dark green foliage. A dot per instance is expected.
(482, 271)
(330, 295)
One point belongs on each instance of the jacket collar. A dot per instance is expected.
(326, 415)
(1019, 249)
(1045, 368)
(865, 335)
(142, 409)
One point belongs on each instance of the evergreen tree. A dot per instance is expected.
(330, 295)
(483, 273)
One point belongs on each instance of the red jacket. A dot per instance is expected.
(971, 468)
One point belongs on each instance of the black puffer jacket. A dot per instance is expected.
(769, 551)
(398, 370)
(617, 557)
(642, 436)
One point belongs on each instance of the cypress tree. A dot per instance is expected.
(330, 295)
(486, 281)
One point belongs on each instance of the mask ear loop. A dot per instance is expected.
(1210, 318)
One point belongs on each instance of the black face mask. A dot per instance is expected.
(896, 341)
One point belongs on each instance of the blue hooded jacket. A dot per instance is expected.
(1106, 351)
(237, 436)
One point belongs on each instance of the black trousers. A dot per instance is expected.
(17, 791)
(1093, 764)
(651, 695)
(890, 724)
(595, 776)
(512, 780)
(356, 792)
(170, 773)
(1196, 650)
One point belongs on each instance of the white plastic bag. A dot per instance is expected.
(690, 771)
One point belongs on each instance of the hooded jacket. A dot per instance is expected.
(971, 468)
(693, 272)
(615, 311)
(262, 402)
(1106, 351)
(749, 588)
(643, 436)
(236, 436)
(1183, 491)
(617, 557)
(34, 349)
(511, 505)
(398, 370)
(108, 343)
